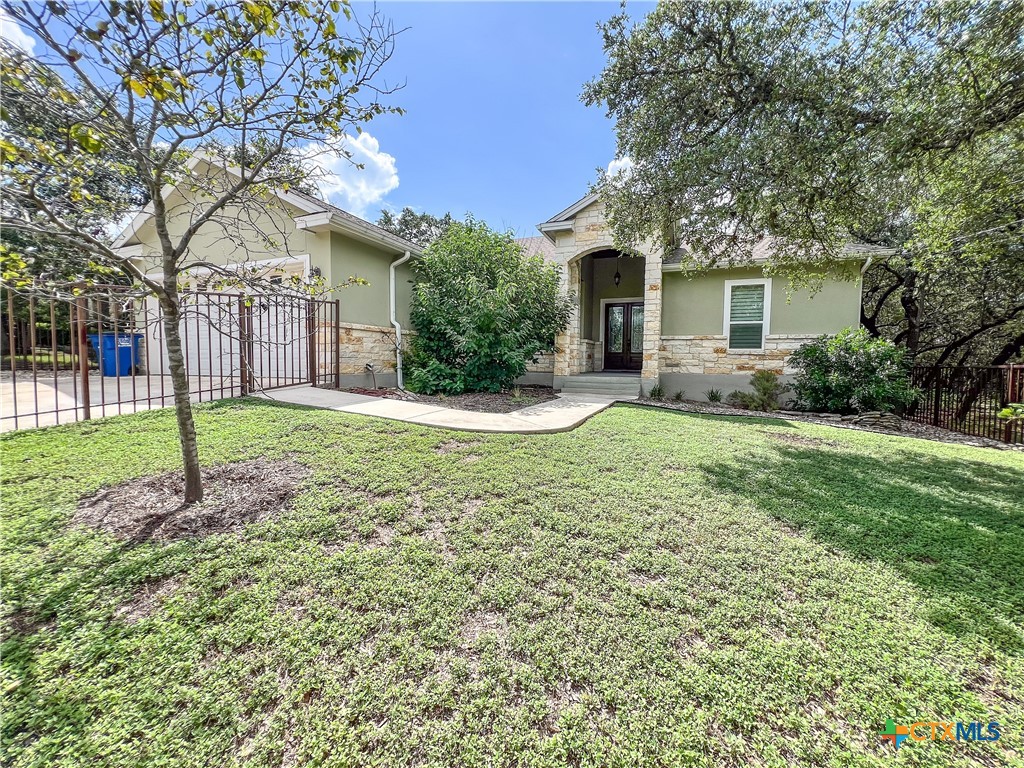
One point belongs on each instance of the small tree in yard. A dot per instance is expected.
(481, 311)
(134, 89)
(851, 372)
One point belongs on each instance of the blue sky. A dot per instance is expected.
(494, 123)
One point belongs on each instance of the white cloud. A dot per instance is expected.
(355, 189)
(12, 33)
(620, 164)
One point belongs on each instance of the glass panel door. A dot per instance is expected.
(636, 328)
(615, 327)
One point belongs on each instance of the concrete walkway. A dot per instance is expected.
(563, 414)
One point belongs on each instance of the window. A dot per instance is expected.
(747, 310)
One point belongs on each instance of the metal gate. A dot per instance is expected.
(103, 352)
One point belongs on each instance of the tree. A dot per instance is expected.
(481, 310)
(142, 87)
(958, 312)
(419, 228)
(817, 123)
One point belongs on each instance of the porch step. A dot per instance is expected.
(596, 384)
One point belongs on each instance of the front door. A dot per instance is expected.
(623, 336)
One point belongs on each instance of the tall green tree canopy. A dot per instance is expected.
(420, 228)
(892, 123)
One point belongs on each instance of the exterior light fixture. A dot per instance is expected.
(617, 278)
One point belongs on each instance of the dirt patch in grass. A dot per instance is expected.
(566, 695)
(483, 623)
(453, 446)
(803, 440)
(151, 508)
(382, 537)
(148, 599)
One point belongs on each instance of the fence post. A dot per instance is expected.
(937, 398)
(245, 331)
(337, 343)
(1010, 394)
(311, 353)
(83, 356)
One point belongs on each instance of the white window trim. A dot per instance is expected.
(604, 303)
(766, 320)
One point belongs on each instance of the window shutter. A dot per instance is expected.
(746, 316)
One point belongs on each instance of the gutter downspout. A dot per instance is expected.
(394, 320)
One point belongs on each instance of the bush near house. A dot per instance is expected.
(766, 395)
(851, 372)
(481, 311)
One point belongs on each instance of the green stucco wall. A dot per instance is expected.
(368, 304)
(244, 240)
(693, 306)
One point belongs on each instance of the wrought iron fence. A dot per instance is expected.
(968, 399)
(68, 358)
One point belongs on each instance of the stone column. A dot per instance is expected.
(651, 371)
(567, 343)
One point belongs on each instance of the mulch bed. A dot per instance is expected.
(234, 495)
(907, 428)
(485, 402)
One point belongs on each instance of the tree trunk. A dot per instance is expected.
(182, 404)
(909, 300)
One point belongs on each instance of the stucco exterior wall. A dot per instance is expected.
(260, 233)
(694, 352)
(368, 304)
(237, 235)
(695, 306)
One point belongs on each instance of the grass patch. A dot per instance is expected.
(653, 588)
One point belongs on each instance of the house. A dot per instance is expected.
(638, 320)
(643, 320)
(288, 234)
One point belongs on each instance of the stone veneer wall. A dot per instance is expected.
(362, 344)
(545, 364)
(358, 345)
(650, 373)
(709, 354)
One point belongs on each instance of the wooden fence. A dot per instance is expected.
(968, 399)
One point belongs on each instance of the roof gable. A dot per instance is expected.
(305, 204)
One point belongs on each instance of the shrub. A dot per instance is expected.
(713, 395)
(852, 372)
(481, 311)
(679, 396)
(765, 397)
(657, 392)
(1012, 412)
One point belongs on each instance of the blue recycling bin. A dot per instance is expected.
(118, 353)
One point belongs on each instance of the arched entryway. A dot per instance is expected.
(611, 297)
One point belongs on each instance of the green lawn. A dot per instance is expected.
(651, 589)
